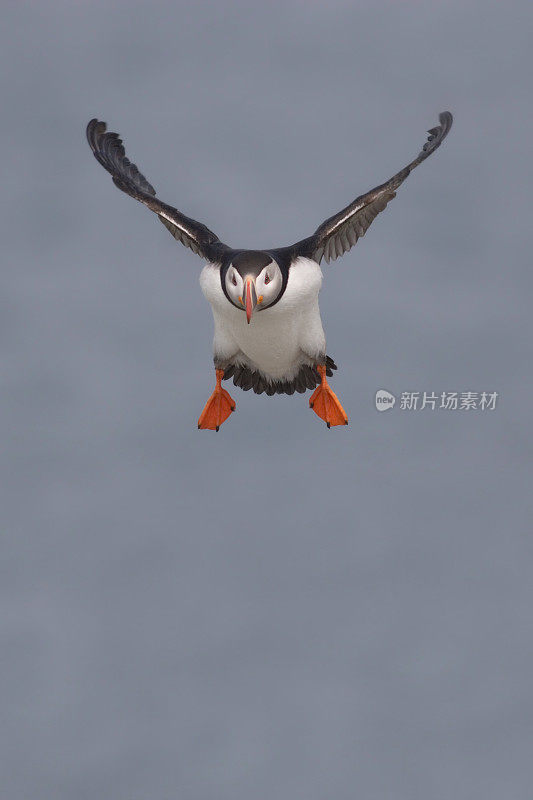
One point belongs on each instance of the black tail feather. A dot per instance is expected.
(307, 378)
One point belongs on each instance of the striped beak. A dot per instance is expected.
(250, 298)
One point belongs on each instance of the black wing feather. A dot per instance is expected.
(340, 232)
(109, 151)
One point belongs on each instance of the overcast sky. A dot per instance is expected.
(278, 610)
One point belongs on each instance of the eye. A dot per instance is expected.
(234, 280)
(267, 279)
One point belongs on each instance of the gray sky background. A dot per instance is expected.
(276, 611)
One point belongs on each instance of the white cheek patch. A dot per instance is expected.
(234, 285)
(270, 286)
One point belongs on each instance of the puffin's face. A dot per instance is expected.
(249, 288)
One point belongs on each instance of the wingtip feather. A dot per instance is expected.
(108, 149)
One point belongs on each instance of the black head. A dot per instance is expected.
(251, 262)
(252, 278)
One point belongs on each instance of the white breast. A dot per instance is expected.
(278, 339)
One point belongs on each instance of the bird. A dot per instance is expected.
(268, 333)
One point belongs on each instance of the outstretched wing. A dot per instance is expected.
(339, 233)
(109, 151)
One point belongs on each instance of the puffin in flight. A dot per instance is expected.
(268, 331)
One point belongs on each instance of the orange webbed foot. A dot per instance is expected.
(325, 402)
(218, 407)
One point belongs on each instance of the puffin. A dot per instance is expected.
(268, 333)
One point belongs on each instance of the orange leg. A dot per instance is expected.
(325, 402)
(218, 407)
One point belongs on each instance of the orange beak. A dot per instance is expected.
(251, 298)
